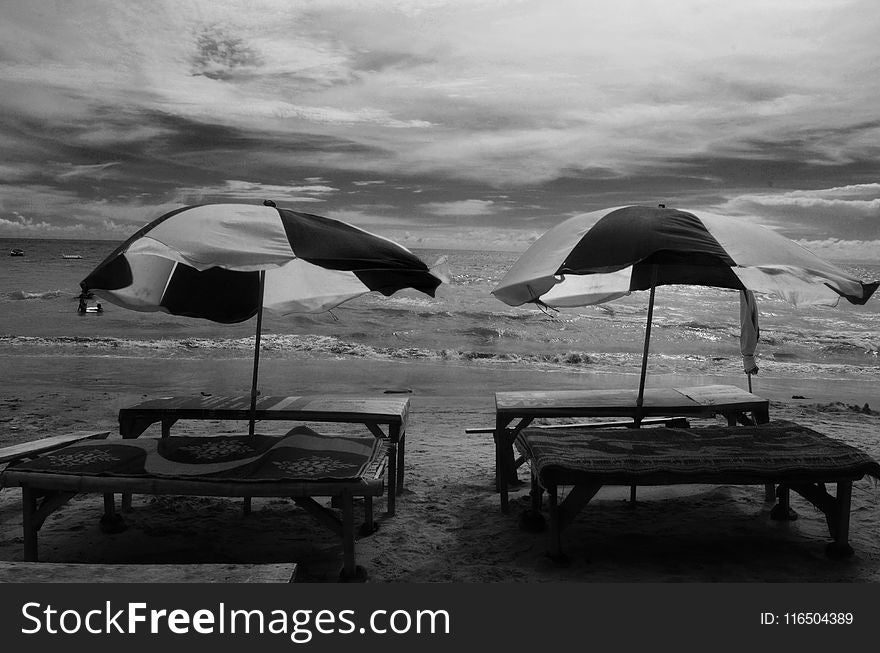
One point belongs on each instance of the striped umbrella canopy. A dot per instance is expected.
(600, 256)
(226, 262)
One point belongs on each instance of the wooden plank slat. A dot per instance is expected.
(318, 407)
(14, 451)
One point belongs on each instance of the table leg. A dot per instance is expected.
(761, 415)
(392, 477)
(503, 449)
(401, 439)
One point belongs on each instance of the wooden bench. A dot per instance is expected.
(62, 572)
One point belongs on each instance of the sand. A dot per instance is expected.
(448, 526)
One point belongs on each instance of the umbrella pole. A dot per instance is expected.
(641, 398)
(257, 355)
(749, 374)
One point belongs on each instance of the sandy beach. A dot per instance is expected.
(448, 526)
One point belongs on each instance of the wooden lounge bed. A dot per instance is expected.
(301, 465)
(785, 454)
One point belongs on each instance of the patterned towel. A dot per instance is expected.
(300, 455)
(773, 449)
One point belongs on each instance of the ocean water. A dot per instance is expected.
(695, 330)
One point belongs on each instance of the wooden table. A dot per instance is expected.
(701, 401)
(390, 413)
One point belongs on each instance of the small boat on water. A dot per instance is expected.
(71, 256)
(17, 252)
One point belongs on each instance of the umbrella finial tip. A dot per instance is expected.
(268, 203)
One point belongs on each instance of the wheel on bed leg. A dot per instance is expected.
(358, 576)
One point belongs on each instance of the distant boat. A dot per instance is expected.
(71, 256)
(17, 252)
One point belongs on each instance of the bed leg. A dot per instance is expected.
(369, 526)
(555, 550)
(537, 493)
(840, 547)
(782, 511)
(111, 521)
(29, 522)
(350, 573)
(532, 520)
(769, 493)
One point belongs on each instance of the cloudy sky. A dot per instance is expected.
(443, 123)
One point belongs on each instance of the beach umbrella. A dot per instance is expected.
(226, 262)
(601, 256)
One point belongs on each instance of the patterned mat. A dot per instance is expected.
(300, 455)
(773, 449)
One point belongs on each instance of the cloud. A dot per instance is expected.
(446, 237)
(764, 110)
(238, 190)
(844, 212)
(95, 171)
(845, 251)
(461, 208)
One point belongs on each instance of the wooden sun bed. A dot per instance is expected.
(46, 486)
(785, 454)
